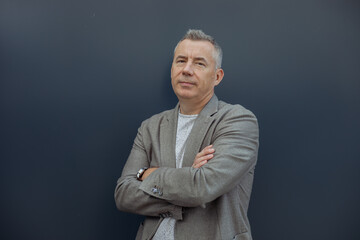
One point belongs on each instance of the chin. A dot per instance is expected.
(185, 96)
(184, 93)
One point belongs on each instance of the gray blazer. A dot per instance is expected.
(210, 202)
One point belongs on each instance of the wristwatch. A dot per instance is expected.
(140, 172)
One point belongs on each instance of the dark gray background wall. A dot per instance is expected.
(78, 77)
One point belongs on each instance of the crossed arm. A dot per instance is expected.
(211, 175)
(201, 158)
(138, 202)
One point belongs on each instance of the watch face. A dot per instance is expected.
(138, 175)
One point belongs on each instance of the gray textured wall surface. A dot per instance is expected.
(78, 77)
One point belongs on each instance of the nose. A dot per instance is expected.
(187, 70)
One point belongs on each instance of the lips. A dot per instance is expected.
(186, 83)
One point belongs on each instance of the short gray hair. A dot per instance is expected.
(199, 35)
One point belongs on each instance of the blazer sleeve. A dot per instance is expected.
(129, 197)
(235, 140)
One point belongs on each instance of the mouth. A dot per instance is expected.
(186, 83)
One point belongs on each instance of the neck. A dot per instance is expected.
(191, 107)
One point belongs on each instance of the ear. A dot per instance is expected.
(219, 74)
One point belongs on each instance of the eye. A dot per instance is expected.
(200, 64)
(180, 61)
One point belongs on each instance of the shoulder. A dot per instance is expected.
(157, 119)
(235, 119)
(233, 110)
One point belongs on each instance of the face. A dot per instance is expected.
(193, 72)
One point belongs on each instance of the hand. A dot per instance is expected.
(203, 157)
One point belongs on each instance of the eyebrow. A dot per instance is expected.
(200, 59)
(196, 59)
(180, 56)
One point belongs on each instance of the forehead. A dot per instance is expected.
(190, 48)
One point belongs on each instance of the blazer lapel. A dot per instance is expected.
(168, 139)
(197, 134)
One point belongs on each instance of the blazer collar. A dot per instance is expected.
(194, 142)
(199, 130)
(210, 109)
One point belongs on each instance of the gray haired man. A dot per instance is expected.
(191, 168)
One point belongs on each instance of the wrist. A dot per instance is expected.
(140, 173)
(146, 173)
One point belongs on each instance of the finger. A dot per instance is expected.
(206, 151)
(207, 147)
(205, 155)
(202, 155)
(203, 158)
(200, 164)
(209, 150)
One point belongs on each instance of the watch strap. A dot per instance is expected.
(140, 172)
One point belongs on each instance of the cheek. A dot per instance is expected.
(172, 76)
(173, 73)
(209, 80)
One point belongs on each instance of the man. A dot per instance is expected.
(191, 169)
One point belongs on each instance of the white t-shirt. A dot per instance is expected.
(184, 126)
